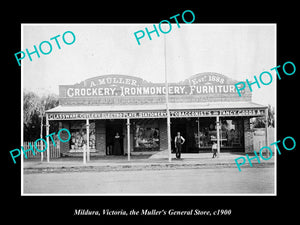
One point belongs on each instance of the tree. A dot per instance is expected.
(34, 108)
(260, 122)
(31, 102)
(30, 116)
(271, 116)
(50, 101)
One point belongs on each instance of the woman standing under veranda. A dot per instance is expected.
(117, 145)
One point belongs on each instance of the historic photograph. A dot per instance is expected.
(149, 109)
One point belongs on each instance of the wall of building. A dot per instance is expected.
(163, 134)
(100, 136)
(248, 136)
(64, 146)
(125, 139)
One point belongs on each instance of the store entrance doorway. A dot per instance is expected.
(114, 137)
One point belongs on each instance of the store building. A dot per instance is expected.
(117, 114)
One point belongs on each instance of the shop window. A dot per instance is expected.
(79, 138)
(231, 133)
(146, 137)
(207, 133)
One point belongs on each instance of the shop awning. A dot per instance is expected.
(153, 107)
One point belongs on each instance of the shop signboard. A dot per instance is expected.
(155, 114)
(120, 89)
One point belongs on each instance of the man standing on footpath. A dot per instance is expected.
(179, 141)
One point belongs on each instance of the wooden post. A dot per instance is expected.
(47, 138)
(41, 136)
(128, 138)
(84, 154)
(169, 135)
(88, 139)
(218, 135)
(198, 133)
(266, 130)
(167, 104)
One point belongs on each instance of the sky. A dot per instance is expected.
(239, 51)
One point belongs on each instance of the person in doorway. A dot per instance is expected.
(214, 148)
(117, 145)
(179, 141)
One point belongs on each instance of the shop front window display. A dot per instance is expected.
(206, 135)
(146, 138)
(79, 138)
(232, 131)
(230, 134)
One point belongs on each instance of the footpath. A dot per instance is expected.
(155, 162)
